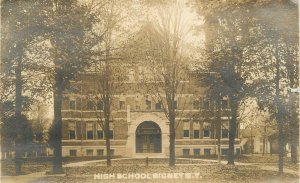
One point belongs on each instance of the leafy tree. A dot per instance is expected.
(279, 70)
(69, 24)
(18, 33)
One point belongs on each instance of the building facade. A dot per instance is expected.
(139, 126)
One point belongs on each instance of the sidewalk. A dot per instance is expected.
(22, 178)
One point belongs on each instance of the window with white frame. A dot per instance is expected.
(100, 134)
(89, 105)
(99, 105)
(72, 104)
(185, 152)
(137, 101)
(206, 130)
(158, 105)
(186, 129)
(72, 130)
(122, 102)
(131, 75)
(90, 131)
(225, 103)
(73, 152)
(196, 104)
(148, 102)
(225, 131)
(90, 152)
(196, 128)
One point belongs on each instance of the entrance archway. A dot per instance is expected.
(148, 138)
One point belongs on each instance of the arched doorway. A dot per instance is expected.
(148, 138)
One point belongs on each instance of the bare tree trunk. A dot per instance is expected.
(264, 140)
(279, 114)
(58, 90)
(232, 130)
(18, 115)
(172, 139)
(281, 147)
(107, 135)
(106, 97)
(294, 138)
(219, 129)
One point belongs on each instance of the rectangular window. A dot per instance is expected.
(186, 152)
(224, 104)
(158, 105)
(100, 152)
(206, 104)
(196, 104)
(224, 133)
(90, 131)
(196, 152)
(72, 105)
(175, 104)
(99, 105)
(148, 104)
(224, 151)
(89, 152)
(196, 134)
(73, 152)
(206, 152)
(122, 105)
(112, 152)
(72, 130)
(99, 134)
(206, 132)
(238, 151)
(186, 129)
(186, 133)
(261, 139)
(111, 134)
(90, 105)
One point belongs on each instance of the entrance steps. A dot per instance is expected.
(149, 155)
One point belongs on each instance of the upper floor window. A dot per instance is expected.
(175, 104)
(122, 102)
(206, 130)
(137, 101)
(131, 75)
(111, 131)
(186, 129)
(196, 128)
(196, 104)
(100, 134)
(225, 103)
(122, 105)
(206, 104)
(148, 102)
(99, 105)
(90, 131)
(72, 130)
(158, 105)
(72, 105)
(225, 131)
(90, 105)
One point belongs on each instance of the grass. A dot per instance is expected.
(208, 173)
(32, 165)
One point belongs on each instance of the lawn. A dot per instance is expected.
(206, 173)
(32, 165)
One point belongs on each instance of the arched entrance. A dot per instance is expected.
(148, 138)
